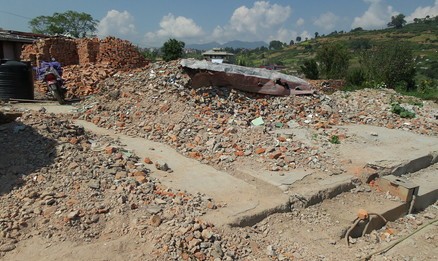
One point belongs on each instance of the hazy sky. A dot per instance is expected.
(150, 23)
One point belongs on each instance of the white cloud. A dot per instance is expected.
(422, 12)
(283, 35)
(178, 27)
(377, 16)
(253, 23)
(300, 22)
(305, 35)
(261, 15)
(327, 21)
(116, 23)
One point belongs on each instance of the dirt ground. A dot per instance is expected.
(50, 211)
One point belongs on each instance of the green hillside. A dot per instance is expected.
(421, 37)
(424, 39)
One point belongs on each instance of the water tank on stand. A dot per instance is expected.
(16, 80)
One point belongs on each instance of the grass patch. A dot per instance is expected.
(334, 139)
(404, 113)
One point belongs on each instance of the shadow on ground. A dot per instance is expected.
(22, 151)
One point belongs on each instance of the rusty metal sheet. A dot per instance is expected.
(203, 73)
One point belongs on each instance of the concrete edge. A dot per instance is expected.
(252, 219)
(304, 201)
(415, 164)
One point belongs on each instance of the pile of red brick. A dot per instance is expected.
(85, 61)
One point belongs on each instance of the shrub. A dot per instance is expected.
(310, 69)
(334, 59)
(390, 63)
(404, 113)
(334, 139)
(356, 77)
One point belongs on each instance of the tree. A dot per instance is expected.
(172, 49)
(150, 54)
(358, 44)
(298, 39)
(291, 42)
(334, 60)
(397, 21)
(357, 29)
(275, 45)
(316, 35)
(74, 23)
(385, 64)
(310, 69)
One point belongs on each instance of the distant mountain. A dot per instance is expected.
(232, 44)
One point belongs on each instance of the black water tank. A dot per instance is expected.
(16, 80)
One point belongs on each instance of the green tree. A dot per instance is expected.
(397, 21)
(172, 49)
(150, 54)
(334, 60)
(358, 44)
(298, 39)
(310, 69)
(316, 35)
(74, 23)
(357, 29)
(390, 63)
(275, 45)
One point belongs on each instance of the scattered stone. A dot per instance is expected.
(72, 215)
(162, 166)
(94, 184)
(155, 220)
(7, 247)
(429, 215)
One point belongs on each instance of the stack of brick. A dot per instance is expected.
(119, 54)
(88, 49)
(81, 80)
(85, 61)
(62, 49)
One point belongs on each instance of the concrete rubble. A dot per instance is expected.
(213, 124)
(66, 183)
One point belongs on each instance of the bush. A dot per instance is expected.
(404, 113)
(310, 69)
(334, 59)
(356, 77)
(334, 139)
(390, 63)
(360, 44)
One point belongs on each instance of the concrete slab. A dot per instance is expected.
(242, 202)
(427, 180)
(393, 151)
(281, 179)
(51, 107)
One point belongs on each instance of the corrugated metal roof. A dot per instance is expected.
(216, 51)
(15, 36)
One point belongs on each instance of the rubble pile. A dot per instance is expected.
(85, 61)
(62, 183)
(216, 125)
